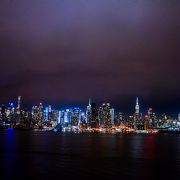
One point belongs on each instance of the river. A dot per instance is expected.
(45, 155)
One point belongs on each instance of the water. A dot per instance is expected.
(45, 155)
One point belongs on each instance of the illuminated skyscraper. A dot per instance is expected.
(19, 105)
(77, 113)
(178, 117)
(137, 106)
(67, 116)
(49, 108)
(118, 119)
(100, 116)
(46, 114)
(94, 122)
(88, 112)
(106, 115)
(3, 112)
(83, 118)
(50, 113)
(59, 117)
(152, 120)
(40, 113)
(89, 101)
(76, 116)
(35, 114)
(112, 115)
(61, 113)
(92, 115)
(19, 102)
(138, 120)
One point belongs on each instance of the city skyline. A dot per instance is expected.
(138, 107)
(127, 109)
(93, 118)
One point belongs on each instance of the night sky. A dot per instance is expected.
(65, 51)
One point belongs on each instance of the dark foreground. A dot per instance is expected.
(45, 155)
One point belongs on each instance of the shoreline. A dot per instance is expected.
(96, 132)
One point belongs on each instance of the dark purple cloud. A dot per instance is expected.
(67, 51)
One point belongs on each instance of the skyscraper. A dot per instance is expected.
(112, 115)
(59, 117)
(106, 115)
(88, 112)
(40, 113)
(138, 121)
(67, 116)
(92, 115)
(137, 106)
(19, 102)
(3, 113)
(19, 105)
(100, 116)
(179, 117)
(46, 112)
(76, 116)
(94, 122)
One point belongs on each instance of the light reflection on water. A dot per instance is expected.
(47, 154)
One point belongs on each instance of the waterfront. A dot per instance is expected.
(41, 155)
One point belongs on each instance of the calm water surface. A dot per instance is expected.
(44, 155)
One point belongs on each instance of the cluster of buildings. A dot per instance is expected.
(93, 118)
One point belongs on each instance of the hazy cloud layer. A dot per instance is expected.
(67, 51)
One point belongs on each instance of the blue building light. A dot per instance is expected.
(11, 104)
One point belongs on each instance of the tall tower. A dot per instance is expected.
(89, 101)
(40, 112)
(88, 112)
(106, 115)
(19, 102)
(94, 122)
(138, 120)
(137, 106)
(112, 115)
(136, 115)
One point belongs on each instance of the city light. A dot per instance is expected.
(96, 119)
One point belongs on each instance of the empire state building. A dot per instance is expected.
(137, 106)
